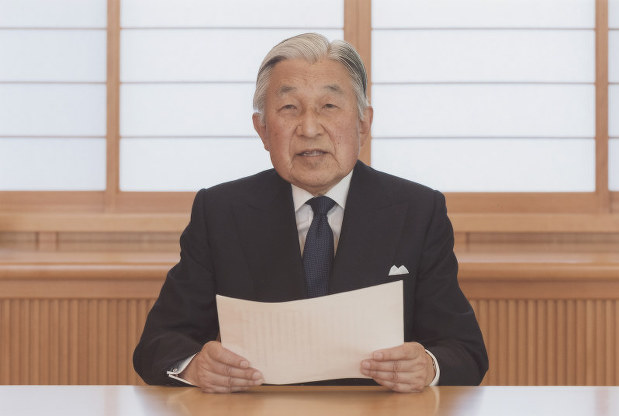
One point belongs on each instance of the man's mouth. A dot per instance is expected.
(312, 153)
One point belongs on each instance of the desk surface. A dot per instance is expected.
(299, 401)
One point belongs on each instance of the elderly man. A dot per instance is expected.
(321, 222)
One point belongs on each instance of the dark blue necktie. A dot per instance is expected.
(318, 250)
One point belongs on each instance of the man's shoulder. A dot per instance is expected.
(371, 178)
(245, 183)
(261, 183)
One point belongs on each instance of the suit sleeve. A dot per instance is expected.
(184, 317)
(446, 324)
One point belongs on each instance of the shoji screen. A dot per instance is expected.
(485, 96)
(188, 70)
(613, 104)
(52, 95)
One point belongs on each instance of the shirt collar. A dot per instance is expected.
(338, 193)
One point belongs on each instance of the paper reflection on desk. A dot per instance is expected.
(301, 401)
(313, 339)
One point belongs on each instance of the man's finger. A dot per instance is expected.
(218, 353)
(233, 372)
(230, 382)
(399, 365)
(224, 362)
(401, 387)
(393, 376)
(407, 351)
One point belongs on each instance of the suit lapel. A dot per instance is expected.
(268, 232)
(366, 250)
(371, 231)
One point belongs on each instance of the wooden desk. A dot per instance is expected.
(315, 401)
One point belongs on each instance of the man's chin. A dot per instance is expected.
(315, 186)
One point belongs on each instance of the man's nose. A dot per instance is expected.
(309, 124)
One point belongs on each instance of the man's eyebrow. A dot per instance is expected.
(334, 88)
(285, 89)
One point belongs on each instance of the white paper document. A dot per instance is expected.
(313, 339)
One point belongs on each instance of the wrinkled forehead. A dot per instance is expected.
(296, 75)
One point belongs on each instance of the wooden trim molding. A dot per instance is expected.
(496, 280)
(535, 223)
(358, 32)
(601, 105)
(93, 222)
(51, 201)
(176, 222)
(113, 105)
(523, 202)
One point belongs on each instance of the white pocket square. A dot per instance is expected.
(395, 271)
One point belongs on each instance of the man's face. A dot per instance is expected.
(311, 123)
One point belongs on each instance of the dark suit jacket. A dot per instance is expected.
(242, 242)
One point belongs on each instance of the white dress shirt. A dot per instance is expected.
(304, 213)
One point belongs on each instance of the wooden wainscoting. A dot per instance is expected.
(74, 318)
(550, 341)
(547, 318)
(70, 341)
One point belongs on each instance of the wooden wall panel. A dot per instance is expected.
(90, 341)
(550, 342)
(552, 322)
(70, 341)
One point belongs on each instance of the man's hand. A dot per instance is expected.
(218, 370)
(405, 368)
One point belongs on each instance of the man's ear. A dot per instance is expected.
(261, 129)
(365, 125)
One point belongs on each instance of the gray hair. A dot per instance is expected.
(312, 47)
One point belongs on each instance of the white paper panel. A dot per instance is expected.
(613, 165)
(483, 110)
(199, 54)
(483, 55)
(188, 164)
(53, 55)
(483, 13)
(53, 13)
(490, 165)
(52, 110)
(233, 13)
(613, 56)
(613, 111)
(186, 110)
(52, 164)
(613, 14)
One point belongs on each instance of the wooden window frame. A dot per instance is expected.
(512, 212)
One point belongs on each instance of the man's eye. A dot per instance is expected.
(288, 107)
(329, 105)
